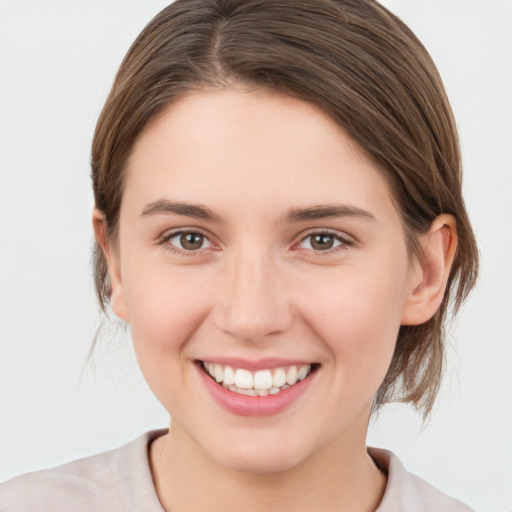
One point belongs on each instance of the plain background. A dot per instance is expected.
(57, 62)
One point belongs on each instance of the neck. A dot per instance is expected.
(341, 476)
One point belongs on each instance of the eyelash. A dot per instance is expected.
(344, 242)
(166, 239)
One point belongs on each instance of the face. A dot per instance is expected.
(263, 270)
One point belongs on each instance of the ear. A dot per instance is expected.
(117, 299)
(430, 274)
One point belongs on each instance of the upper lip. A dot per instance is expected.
(266, 363)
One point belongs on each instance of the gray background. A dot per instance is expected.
(57, 61)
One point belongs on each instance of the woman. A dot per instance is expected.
(279, 219)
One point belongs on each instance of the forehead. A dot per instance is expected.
(234, 147)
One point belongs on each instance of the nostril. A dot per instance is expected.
(252, 302)
(254, 328)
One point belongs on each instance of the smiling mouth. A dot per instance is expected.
(258, 383)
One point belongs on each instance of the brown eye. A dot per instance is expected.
(322, 242)
(189, 241)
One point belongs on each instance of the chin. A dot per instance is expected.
(259, 457)
(258, 464)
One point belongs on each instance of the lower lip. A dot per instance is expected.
(245, 405)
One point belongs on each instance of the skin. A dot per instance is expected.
(257, 288)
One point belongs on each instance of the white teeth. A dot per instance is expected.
(303, 371)
(243, 379)
(260, 383)
(218, 373)
(291, 376)
(279, 378)
(229, 376)
(263, 379)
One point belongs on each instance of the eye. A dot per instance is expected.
(322, 241)
(188, 241)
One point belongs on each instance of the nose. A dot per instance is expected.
(253, 302)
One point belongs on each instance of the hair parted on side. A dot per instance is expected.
(353, 59)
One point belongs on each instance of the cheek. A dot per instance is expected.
(357, 315)
(166, 308)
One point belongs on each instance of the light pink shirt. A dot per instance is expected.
(120, 481)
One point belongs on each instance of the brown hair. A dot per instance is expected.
(353, 59)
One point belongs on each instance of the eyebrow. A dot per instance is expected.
(318, 212)
(166, 207)
(327, 211)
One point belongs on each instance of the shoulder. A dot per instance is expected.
(408, 492)
(112, 481)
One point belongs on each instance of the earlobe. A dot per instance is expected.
(429, 280)
(117, 298)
